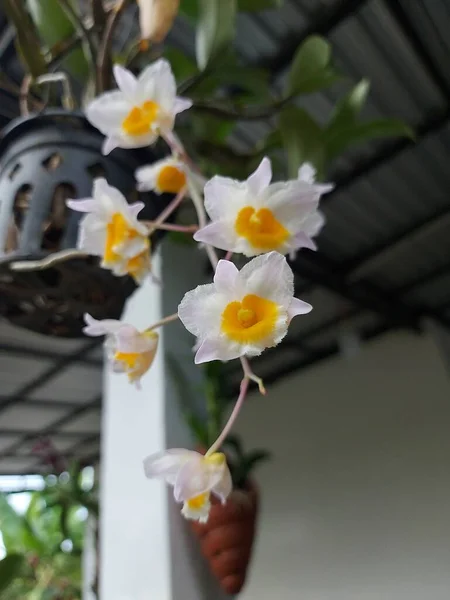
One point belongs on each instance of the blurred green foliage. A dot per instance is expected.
(44, 545)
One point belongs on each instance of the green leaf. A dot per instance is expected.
(18, 535)
(191, 10)
(215, 29)
(183, 67)
(183, 239)
(27, 39)
(254, 5)
(255, 457)
(311, 68)
(348, 108)
(10, 568)
(235, 443)
(302, 139)
(54, 27)
(340, 139)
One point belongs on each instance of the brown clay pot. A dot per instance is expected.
(226, 540)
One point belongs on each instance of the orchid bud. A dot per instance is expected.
(156, 18)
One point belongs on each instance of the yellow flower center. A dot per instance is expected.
(119, 232)
(198, 502)
(251, 320)
(260, 228)
(129, 358)
(139, 263)
(171, 179)
(140, 118)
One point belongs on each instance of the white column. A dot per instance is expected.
(147, 551)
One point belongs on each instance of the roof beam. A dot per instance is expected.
(403, 21)
(37, 354)
(59, 365)
(53, 428)
(378, 255)
(322, 23)
(389, 151)
(323, 272)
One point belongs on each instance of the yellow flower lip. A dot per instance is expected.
(171, 179)
(140, 119)
(118, 233)
(198, 502)
(260, 228)
(251, 320)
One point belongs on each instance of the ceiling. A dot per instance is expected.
(384, 258)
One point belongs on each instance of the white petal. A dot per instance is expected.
(92, 234)
(269, 276)
(110, 143)
(126, 81)
(108, 111)
(224, 197)
(135, 208)
(147, 176)
(86, 205)
(157, 83)
(219, 348)
(260, 179)
(218, 234)
(307, 173)
(95, 327)
(300, 240)
(181, 104)
(196, 477)
(224, 487)
(130, 340)
(200, 310)
(166, 465)
(226, 277)
(314, 223)
(298, 307)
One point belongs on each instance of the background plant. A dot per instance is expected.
(44, 545)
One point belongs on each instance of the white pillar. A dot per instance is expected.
(147, 551)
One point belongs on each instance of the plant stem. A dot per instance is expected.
(171, 227)
(83, 31)
(163, 321)
(104, 54)
(201, 216)
(173, 205)
(237, 407)
(248, 373)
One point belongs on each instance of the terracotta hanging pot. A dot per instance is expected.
(226, 540)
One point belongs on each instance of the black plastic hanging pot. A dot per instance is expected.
(44, 160)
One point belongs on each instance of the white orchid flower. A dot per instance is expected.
(111, 230)
(256, 216)
(167, 175)
(156, 18)
(140, 110)
(194, 477)
(243, 312)
(129, 350)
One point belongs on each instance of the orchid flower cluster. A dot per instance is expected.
(238, 315)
